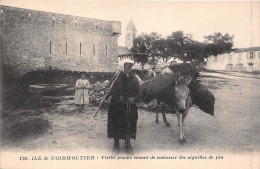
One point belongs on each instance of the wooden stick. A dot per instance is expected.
(112, 84)
(128, 133)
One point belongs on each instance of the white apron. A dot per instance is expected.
(81, 95)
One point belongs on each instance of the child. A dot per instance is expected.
(81, 95)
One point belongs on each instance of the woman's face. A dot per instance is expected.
(127, 67)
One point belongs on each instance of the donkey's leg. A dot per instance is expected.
(164, 119)
(189, 104)
(157, 120)
(179, 117)
(183, 125)
(157, 113)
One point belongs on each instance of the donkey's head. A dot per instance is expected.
(182, 92)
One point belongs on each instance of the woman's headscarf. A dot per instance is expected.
(123, 61)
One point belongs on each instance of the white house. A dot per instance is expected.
(246, 59)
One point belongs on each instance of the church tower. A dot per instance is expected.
(130, 32)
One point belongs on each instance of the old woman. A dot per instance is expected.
(122, 112)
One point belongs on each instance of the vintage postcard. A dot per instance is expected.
(129, 84)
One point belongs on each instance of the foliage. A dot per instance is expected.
(218, 43)
(141, 49)
(148, 48)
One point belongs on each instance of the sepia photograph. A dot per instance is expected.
(129, 84)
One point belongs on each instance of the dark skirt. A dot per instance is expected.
(117, 126)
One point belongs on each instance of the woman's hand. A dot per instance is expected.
(121, 99)
(131, 100)
(107, 90)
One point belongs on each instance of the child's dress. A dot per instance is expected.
(81, 95)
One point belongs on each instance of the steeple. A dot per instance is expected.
(130, 32)
(131, 25)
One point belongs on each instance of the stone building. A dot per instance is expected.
(246, 59)
(32, 40)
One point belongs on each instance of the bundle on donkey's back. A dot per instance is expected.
(160, 87)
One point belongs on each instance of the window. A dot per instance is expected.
(96, 26)
(66, 48)
(230, 57)
(239, 66)
(1, 17)
(53, 19)
(229, 67)
(239, 56)
(251, 55)
(94, 50)
(30, 16)
(106, 50)
(76, 21)
(79, 48)
(1, 13)
(250, 66)
(215, 58)
(50, 47)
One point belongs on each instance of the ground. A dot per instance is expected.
(234, 128)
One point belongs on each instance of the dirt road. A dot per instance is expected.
(234, 128)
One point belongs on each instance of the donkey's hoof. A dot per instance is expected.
(168, 124)
(182, 141)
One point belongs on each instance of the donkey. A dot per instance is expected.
(181, 101)
(176, 94)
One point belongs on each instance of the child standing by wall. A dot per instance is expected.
(81, 95)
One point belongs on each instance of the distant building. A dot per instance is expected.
(130, 32)
(32, 40)
(124, 51)
(246, 59)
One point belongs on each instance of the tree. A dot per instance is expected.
(151, 41)
(195, 51)
(218, 43)
(141, 50)
(160, 47)
(179, 44)
(186, 49)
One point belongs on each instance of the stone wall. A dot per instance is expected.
(33, 40)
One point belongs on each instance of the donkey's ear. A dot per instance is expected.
(188, 79)
(178, 75)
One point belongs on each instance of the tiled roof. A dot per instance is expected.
(247, 49)
(123, 51)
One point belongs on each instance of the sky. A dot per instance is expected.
(201, 18)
